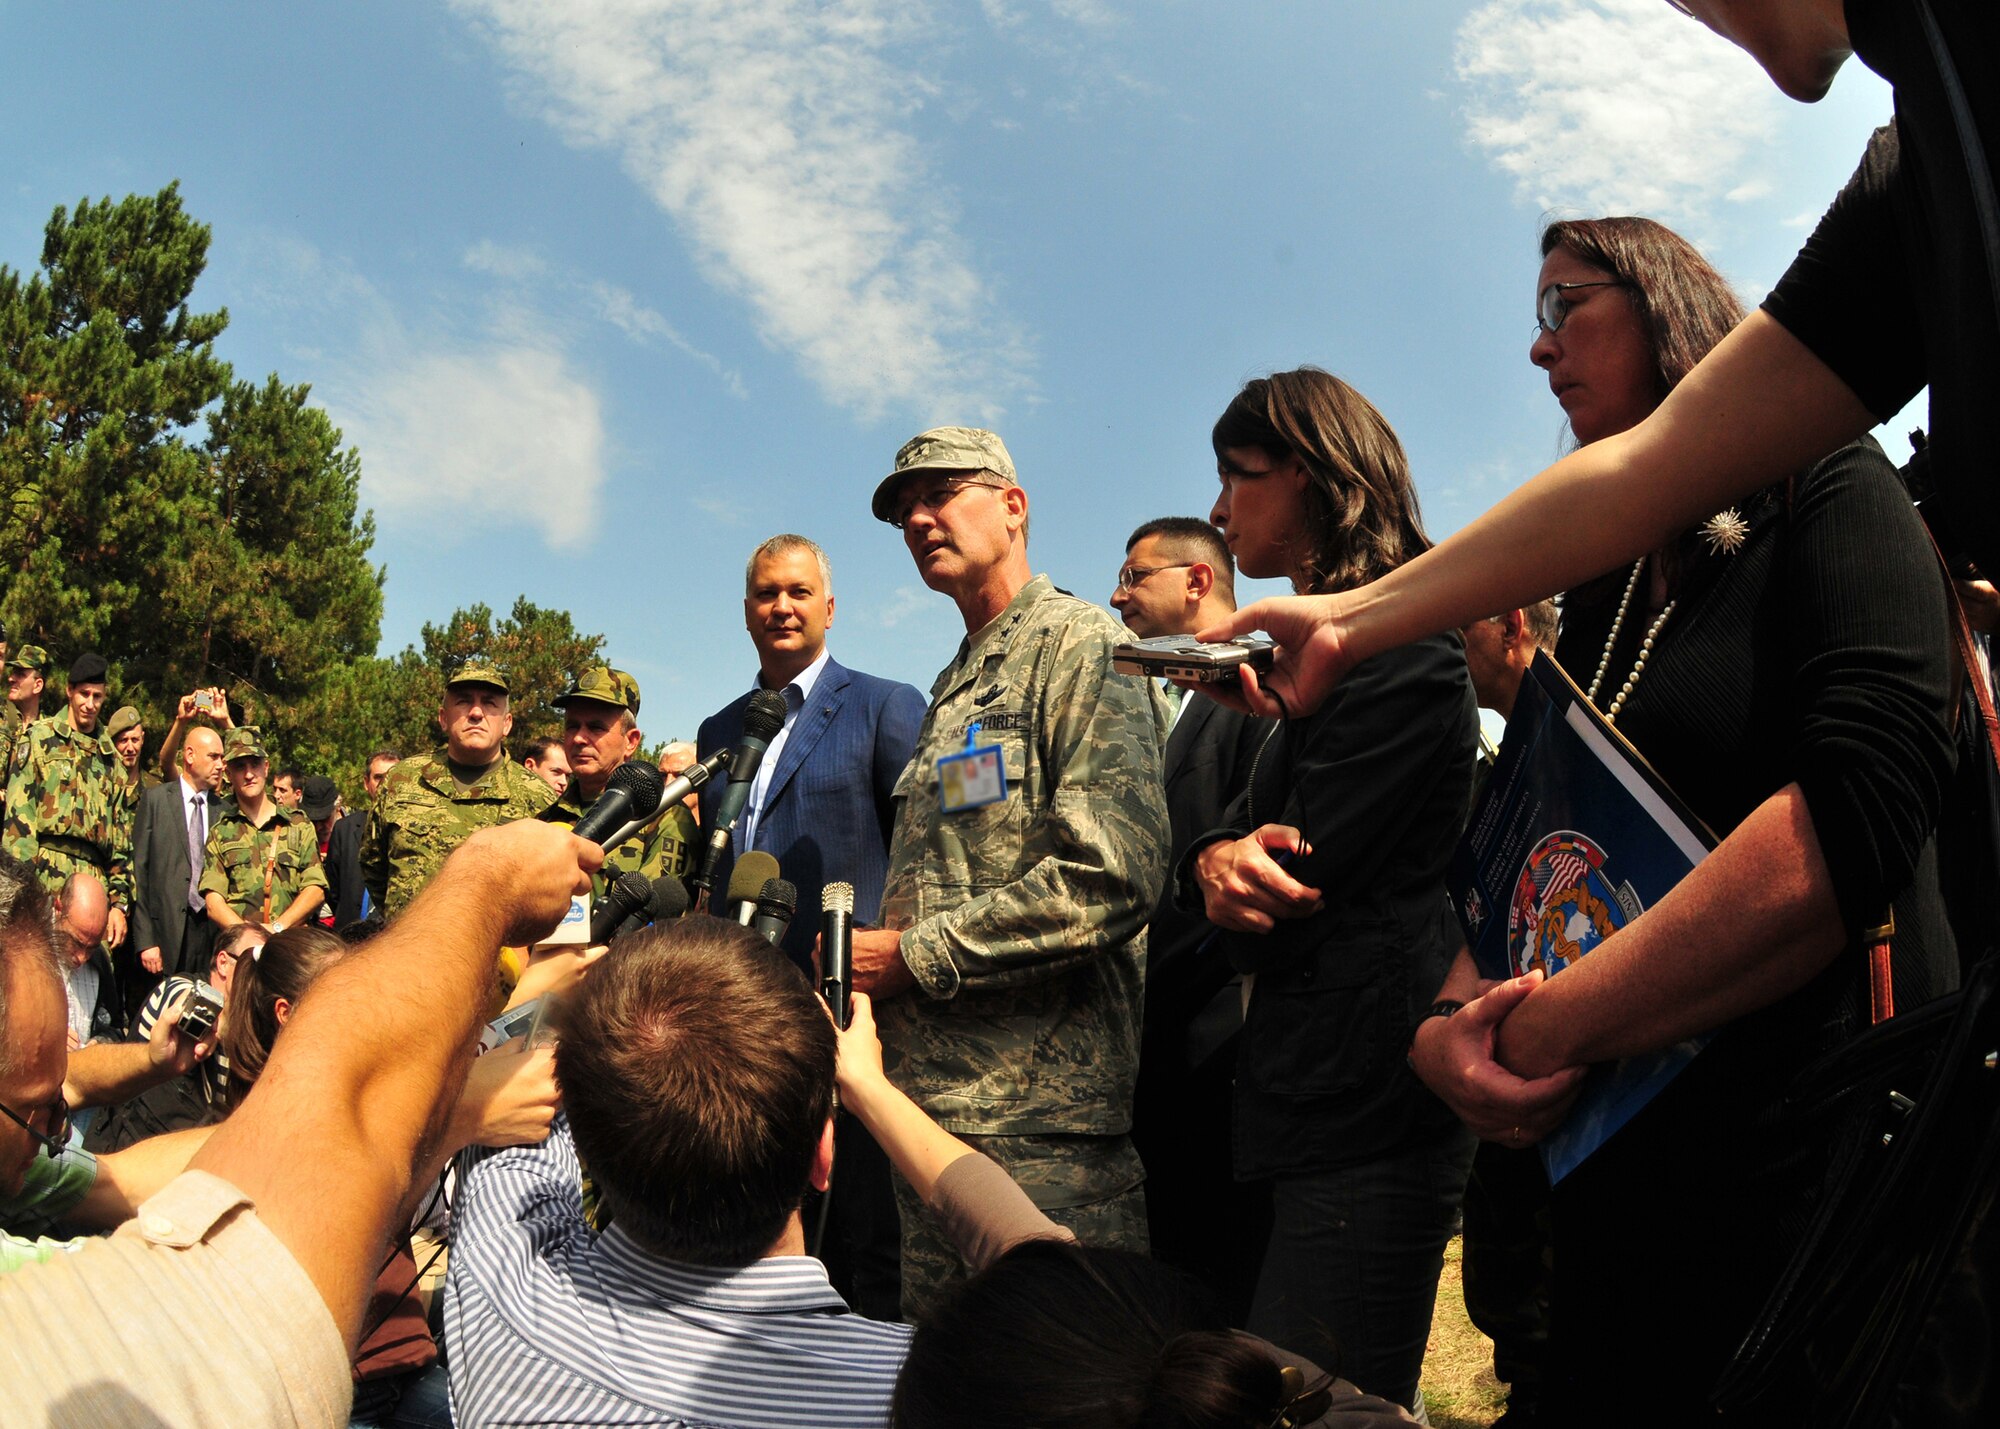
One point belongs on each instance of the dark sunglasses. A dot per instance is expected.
(56, 1140)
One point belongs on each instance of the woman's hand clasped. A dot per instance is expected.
(1455, 1058)
(1245, 887)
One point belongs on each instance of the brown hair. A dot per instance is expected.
(27, 933)
(283, 967)
(1685, 307)
(697, 1070)
(1361, 516)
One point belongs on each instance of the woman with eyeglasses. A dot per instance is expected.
(1328, 884)
(1784, 666)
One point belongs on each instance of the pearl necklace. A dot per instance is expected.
(1611, 644)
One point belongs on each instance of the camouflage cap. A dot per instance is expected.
(477, 672)
(603, 684)
(30, 657)
(246, 741)
(945, 449)
(123, 719)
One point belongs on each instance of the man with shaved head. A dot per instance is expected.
(82, 910)
(170, 927)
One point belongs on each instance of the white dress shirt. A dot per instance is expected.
(796, 694)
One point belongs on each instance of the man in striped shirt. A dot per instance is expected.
(698, 1071)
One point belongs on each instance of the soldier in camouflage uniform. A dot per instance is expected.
(600, 732)
(69, 806)
(1008, 992)
(429, 805)
(128, 741)
(262, 860)
(23, 704)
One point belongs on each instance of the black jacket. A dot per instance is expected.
(1378, 780)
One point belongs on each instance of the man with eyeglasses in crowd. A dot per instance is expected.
(1029, 849)
(1178, 576)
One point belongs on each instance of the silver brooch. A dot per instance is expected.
(1725, 532)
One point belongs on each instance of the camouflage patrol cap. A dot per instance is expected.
(30, 657)
(246, 741)
(603, 684)
(477, 672)
(944, 449)
(125, 718)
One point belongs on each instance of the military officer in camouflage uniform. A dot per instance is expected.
(429, 805)
(600, 732)
(23, 705)
(1008, 989)
(127, 734)
(262, 860)
(69, 806)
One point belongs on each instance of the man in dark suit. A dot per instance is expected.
(1177, 578)
(170, 926)
(822, 804)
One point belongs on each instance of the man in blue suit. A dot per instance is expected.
(822, 804)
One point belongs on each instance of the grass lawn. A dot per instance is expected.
(1459, 1388)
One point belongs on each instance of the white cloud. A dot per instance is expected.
(642, 324)
(1616, 106)
(502, 260)
(494, 434)
(774, 133)
(493, 427)
(907, 601)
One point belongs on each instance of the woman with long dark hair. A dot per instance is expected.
(1329, 885)
(1784, 666)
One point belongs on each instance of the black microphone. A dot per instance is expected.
(677, 788)
(776, 902)
(746, 881)
(670, 900)
(634, 787)
(836, 951)
(624, 897)
(762, 719)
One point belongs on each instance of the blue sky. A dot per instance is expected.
(604, 293)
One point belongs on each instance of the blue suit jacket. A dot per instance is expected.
(829, 809)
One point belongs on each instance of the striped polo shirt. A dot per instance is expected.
(549, 1323)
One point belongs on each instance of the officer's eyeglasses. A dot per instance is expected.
(1552, 309)
(56, 1139)
(936, 498)
(1132, 575)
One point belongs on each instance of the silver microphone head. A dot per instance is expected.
(837, 898)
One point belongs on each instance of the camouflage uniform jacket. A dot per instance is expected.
(1024, 921)
(421, 815)
(69, 806)
(666, 848)
(239, 853)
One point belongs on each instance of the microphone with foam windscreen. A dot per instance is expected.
(776, 902)
(836, 950)
(763, 717)
(746, 881)
(670, 899)
(633, 789)
(624, 898)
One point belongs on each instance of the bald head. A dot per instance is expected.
(201, 759)
(83, 909)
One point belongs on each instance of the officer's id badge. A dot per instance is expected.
(973, 778)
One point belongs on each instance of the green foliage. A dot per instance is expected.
(535, 648)
(239, 560)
